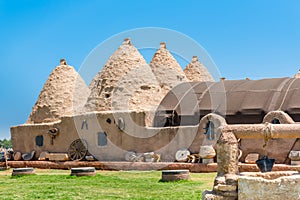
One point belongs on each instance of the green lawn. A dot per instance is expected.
(58, 184)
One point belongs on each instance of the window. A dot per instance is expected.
(210, 130)
(39, 140)
(102, 139)
(172, 118)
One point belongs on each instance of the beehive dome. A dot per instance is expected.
(166, 69)
(126, 82)
(195, 71)
(64, 93)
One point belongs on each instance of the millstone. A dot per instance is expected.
(22, 171)
(175, 175)
(182, 155)
(83, 171)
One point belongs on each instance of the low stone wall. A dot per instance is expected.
(269, 186)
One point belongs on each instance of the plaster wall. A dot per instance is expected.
(126, 131)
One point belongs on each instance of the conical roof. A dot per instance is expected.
(195, 71)
(64, 93)
(166, 69)
(126, 82)
(297, 75)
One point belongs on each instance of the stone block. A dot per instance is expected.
(231, 179)
(17, 156)
(219, 180)
(90, 158)
(232, 195)
(58, 157)
(294, 155)
(225, 188)
(210, 195)
(207, 161)
(251, 158)
(43, 155)
(295, 162)
(23, 171)
(175, 175)
(285, 187)
(83, 171)
(149, 159)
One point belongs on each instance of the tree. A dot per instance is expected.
(6, 143)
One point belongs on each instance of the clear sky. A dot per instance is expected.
(255, 39)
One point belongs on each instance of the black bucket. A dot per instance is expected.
(265, 164)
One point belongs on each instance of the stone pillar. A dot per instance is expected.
(227, 154)
(225, 184)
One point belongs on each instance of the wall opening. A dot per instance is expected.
(275, 121)
(39, 140)
(108, 120)
(102, 139)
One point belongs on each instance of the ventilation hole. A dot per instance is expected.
(108, 120)
(145, 87)
(107, 96)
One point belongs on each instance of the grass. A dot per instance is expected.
(58, 184)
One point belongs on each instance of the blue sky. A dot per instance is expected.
(255, 39)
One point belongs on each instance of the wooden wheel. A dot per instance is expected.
(77, 149)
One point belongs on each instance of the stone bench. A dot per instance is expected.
(83, 171)
(175, 175)
(23, 171)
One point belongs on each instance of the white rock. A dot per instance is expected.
(182, 155)
(251, 158)
(286, 187)
(207, 152)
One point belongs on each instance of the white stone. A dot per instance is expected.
(251, 158)
(210, 195)
(207, 152)
(295, 162)
(252, 188)
(90, 158)
(58, 157)
(294, 155)
(43, 155)
(225, 188)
